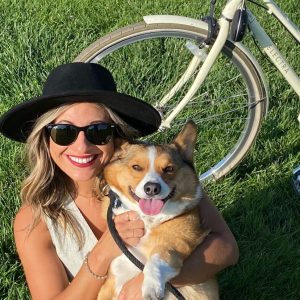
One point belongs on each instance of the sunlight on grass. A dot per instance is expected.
(257, 199)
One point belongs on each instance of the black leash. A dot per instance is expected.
(111, 225)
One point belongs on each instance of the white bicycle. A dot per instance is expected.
(194, 69)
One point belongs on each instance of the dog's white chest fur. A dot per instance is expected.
(156, 273)
(123, 270)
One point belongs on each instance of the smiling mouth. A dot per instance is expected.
(137, 198)
(83, 161)
(150, 206)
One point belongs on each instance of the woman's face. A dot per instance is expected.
(82, 161)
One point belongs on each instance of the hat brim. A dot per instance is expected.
(17, 123)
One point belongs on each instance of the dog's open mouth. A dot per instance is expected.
(151, 206)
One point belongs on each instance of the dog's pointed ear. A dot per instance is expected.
(186, 139)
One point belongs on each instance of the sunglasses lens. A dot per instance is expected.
(63, 134)
(66, 134)
(99, 134)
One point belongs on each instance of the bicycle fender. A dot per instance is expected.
(260, 72)
(173, 19)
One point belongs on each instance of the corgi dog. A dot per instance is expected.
(159, 182)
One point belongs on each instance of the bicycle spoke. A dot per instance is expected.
(154, 61)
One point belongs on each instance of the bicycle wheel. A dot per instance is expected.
(148, 59)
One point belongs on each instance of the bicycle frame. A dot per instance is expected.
(269, 47)
(224, 24)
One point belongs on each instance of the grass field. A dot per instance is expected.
(256, 199)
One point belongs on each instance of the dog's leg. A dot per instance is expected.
(158, 270)
(166, 254)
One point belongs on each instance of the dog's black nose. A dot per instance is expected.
(152, 188)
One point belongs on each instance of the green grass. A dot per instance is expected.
(257, 199)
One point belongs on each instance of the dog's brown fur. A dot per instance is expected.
(174, 239)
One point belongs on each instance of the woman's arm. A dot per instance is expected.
(45, 274)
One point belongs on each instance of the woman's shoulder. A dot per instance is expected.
(25, 227)
(24, 217)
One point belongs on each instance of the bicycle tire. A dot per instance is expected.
(121, 52)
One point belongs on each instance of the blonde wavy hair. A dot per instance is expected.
(46, 188)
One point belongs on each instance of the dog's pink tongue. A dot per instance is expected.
(151, 207)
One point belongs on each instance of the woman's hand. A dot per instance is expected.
(130, 227)
(132, 289)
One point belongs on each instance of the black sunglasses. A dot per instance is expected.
(66, 134)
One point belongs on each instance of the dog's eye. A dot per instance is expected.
(137, 168)
(169, 169)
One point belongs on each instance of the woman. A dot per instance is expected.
(60, 233)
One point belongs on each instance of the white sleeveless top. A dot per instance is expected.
(66, 245)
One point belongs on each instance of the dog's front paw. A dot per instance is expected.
(156, 273)
(152, 289)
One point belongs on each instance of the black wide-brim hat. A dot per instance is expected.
(73, 83)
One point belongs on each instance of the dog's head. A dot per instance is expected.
(153, 179)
